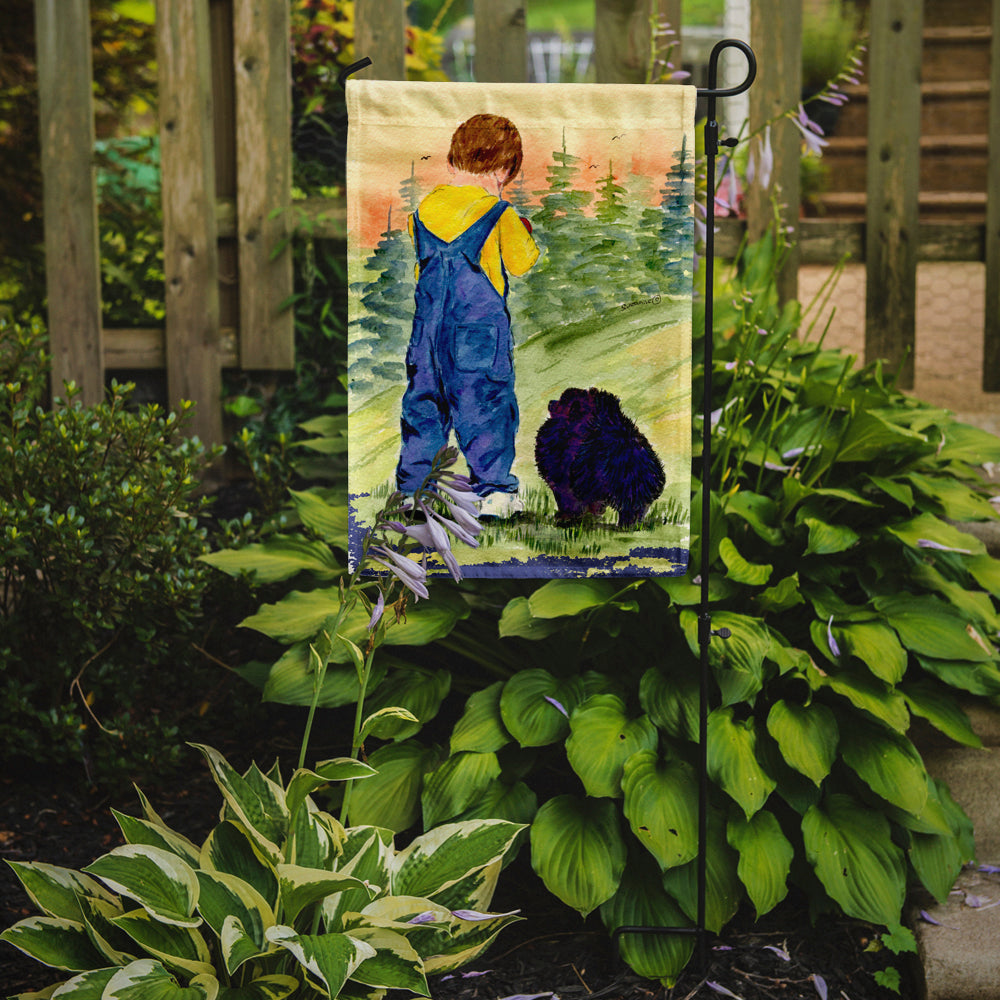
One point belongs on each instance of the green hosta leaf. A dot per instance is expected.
(976, 678)
(149, 980)
(807, 736)
(229, 849)
(224, 898)
(738, 662)
(975, 605)
(528, 714)
(329, 958)
(893, 488)
(481, 727)
(456, 784)
(888, 763)
(850, 847)
(391, 798)
(601, 739)
(327, 520)
(870, 436)
(931, 628)
(966, 443)
(877, 646)
(559, 598)
(937, 860)
(642, 902)
(765, 858)
(868, 693)
(291, 680)
(515, 803)
(517, 620)
(928, 528)
(661, 806)
(260, 809)
(395, 965)
(933, 702)
(177, 947)
(279, 558)
(142, 831)
(956, 501)
(438, 859)
(54, 941)
(670, 699)
(760, 512)
(732, 760)
(301, 887)
(159, 881)
(417, 690)
(986, 572)
(56, 891)
(577, 850)
(724, 891)
(828, 539)
(783, 595)
(741, 571)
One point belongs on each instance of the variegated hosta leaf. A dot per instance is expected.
(177, 947)
(601, 740)
(642, 902)
(141, 831)
(149, 980)
(304, 782)
(661, 805)
(86, 986)
(158, 880)
(55, 941)
(275, 987)
(329, 959)
(56, 891)
(807, 736)
(366, 856)
(850, 847)
(98, 916)
(765, 858)
(465, 942)
(732, 760)
(315, 838)
(229, 848)
(454, 785)
(256, 801)
(224, 897)
(300, 887)
(441, 857)
(395, 965)
(578, 851)
(481, 727)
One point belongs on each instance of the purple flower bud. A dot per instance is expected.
(834, 648)
(820, 983)
(552, 701)
(377, 612)
(427, 917)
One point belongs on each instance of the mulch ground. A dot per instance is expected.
(56, 818)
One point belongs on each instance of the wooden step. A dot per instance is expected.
(941, 13)
(947, 162)
(967, 206)
(946, 105)
(952, 53)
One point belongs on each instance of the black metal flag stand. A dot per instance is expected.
(705, 631)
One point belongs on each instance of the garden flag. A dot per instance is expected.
(520, 264)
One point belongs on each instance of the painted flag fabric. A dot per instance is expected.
(520, 262)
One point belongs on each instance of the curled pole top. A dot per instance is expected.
(713, 91)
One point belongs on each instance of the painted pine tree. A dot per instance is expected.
(666, 240)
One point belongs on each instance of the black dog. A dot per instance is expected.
(593, 456)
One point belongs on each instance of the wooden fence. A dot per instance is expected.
(224, 108)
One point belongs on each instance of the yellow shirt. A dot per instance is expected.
(449, 210)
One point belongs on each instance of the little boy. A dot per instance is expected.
(459, 363)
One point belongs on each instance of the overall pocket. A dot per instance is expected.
(482, 348)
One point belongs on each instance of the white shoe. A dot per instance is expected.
(501, 505)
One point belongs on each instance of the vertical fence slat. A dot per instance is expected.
(991, 334)
(894, 61)
(264, 169)
(501, 41)
(380, 34)
(190, 251)
(72, 256)
(622, 37)
(776, 30)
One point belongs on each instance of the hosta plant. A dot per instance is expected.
(279, 900)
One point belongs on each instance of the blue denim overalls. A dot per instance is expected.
(459, 364)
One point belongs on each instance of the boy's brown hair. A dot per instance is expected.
(486, 143)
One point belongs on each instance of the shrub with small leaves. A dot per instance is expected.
(99, 575)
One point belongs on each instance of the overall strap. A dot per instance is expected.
(469, 243)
